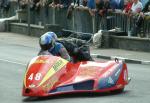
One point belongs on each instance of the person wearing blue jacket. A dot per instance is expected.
(50, 46)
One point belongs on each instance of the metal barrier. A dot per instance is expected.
(80, 20)
(146, 27)
(127, 24)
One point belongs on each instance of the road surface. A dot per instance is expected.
(16, 51)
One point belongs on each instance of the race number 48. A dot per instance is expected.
(36, 76)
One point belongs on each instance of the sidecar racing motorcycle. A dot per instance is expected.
(48, 75)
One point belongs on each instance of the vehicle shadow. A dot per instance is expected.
(73, 95)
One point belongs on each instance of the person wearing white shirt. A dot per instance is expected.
(136, 9)
(136, 6)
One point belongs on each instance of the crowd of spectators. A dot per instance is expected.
(101, 7)
(49, 3)
(94, 6)
(132, 8)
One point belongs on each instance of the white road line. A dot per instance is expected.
(9, 61)
(145, 62)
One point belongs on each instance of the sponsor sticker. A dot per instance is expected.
(55, 68)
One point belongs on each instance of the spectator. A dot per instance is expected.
(135, 11)
(117, 4)
(78, 4)
(61, 3)
(92, 7)
(143, 15)
(41, 3)
(23, 3)
(83, 5)
(146, 7)
(144, 2)
(136, 7)
(128, 5)
(146, 10)
(99, 6)
(65, 3)
(34, 4)
(55, 3)
(103, 7)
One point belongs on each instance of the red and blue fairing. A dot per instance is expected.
(51, 75)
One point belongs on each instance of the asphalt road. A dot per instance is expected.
(17, 50)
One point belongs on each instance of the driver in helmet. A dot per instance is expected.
(76, 48)
(50, 46)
